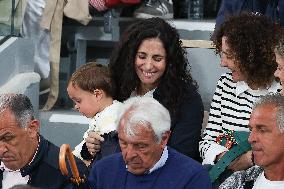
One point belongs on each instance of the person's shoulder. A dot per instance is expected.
(192, 101)
(51, 154)
(109, 161)
(191, 91)
(190, 87)
(253, 172)
(116, 104)
(192, 96)
(108, 116)
(183, 162)
(239, 177)
(46, 161)
(111, 166)
(226, 78)
(112, 110)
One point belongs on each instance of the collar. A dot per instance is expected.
(4, 168)
(105, 121)
(161, 161)
(148, 94)
(242, 86)
(11, 178)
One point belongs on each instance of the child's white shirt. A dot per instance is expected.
(103, 122)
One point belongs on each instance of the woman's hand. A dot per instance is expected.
(241, 163)
(93, 142)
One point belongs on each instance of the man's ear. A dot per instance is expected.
(165, 138)
(98, 93)
(33, 128)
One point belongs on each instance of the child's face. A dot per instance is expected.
(86, 103)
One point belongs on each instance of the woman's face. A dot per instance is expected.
(280, 69)
(150, 62)
(228, 61)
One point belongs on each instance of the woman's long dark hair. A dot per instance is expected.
(176, 76)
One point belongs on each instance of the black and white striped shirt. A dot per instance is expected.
(230, 110)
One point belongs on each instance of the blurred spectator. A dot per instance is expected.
(274, 9)
(155, 8)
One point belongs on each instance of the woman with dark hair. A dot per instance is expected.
(245, 44)
(149, 60)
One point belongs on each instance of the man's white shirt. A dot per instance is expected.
(263, 183)
(12, 178)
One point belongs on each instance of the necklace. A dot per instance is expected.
(35, 151)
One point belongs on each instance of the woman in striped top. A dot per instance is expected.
(245, 45)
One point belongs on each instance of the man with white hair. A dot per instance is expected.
(267, 140)
(145, 160)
